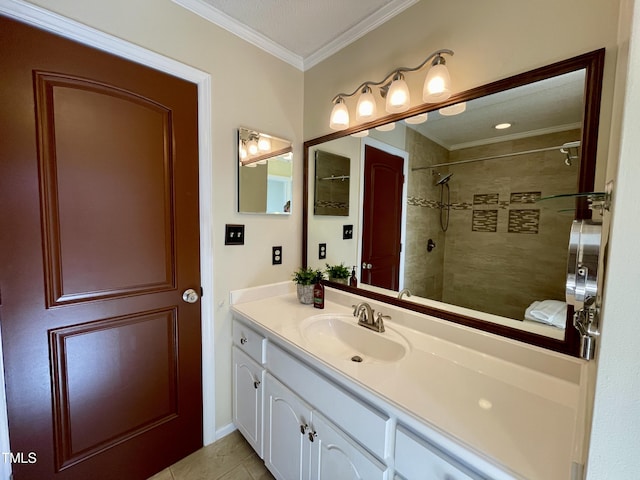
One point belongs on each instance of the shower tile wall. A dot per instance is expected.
(424, 270)
(501, 271)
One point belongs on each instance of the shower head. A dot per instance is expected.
(444, 179)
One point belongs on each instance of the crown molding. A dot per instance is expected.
(221, 19)
(230, 24)
(359, 30)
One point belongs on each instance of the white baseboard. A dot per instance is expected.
(224, 431)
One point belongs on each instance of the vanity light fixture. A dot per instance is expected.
(455, 109)
(394, 89)
(417, 119)
(366, 108)
(360, 134)
(387, 127)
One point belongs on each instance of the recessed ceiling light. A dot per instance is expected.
(502, 126)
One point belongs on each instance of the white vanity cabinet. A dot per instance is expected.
(248, 384)
(300, 444)
(417, 459)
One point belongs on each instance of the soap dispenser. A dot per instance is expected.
(318, 293)
(353, 281)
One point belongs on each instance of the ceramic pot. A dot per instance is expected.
(305, 294)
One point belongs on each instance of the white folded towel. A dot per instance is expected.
(550, 312)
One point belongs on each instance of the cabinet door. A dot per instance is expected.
(248, 381)
(287, 445)
(334, 456)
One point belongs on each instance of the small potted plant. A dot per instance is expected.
(338, 273)
(305, 279)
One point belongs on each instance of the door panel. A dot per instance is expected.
(382, 218)
(75, 123)
(99, 200)
(91, 361)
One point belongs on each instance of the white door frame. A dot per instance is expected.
(385, 147)
(54, 23)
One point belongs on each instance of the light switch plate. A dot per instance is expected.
(233, 234)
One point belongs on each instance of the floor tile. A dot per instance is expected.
(230, 458)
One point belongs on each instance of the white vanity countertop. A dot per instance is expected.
(522, 419)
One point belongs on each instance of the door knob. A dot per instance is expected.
(190, 296)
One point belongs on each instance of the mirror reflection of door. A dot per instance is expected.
(382, 218)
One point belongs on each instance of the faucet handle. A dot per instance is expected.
(380, 316)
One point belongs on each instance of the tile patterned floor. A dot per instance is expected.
(230, 458)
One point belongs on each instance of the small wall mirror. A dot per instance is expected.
(265, 173)
(454, 202)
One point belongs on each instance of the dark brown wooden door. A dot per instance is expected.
(382, 218)
(99, 238)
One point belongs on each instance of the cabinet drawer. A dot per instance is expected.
(249, 341)
(416, 459)
(362, 422)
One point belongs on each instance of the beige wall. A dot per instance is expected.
(272, 104)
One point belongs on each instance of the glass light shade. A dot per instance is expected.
(398, 98)
(387, 127)
(417, 119)
(264, 144)
(454, 109)
(366, 107)
(363, 133)
(339, 119)
(243, 152)
(252, 146)
(437, 85)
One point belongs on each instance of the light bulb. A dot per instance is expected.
(252, 146)
(437, 85)
(264, 144)
(339, 119)
(398, 96)
(243, 152)
(366, 107)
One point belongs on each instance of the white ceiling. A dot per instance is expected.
(300, 32)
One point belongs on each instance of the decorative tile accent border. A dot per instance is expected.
(486, 199)
(423, 202)
(524, 221)
(333, 205)
(484, 221)
(525, 197)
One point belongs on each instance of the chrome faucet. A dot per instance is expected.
(365, 316)
(404, 291)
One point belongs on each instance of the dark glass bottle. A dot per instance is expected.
(353, 281)
(318, 293)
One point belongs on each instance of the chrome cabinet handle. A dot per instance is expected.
(256, 384)
(312, 435)
(243, 340)
(303, 428)
(190, 296)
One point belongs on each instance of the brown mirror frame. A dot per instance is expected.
(593, 63)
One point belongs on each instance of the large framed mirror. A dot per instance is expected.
(456, 217)
(265, 173)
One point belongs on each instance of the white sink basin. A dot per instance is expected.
(339, 335)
